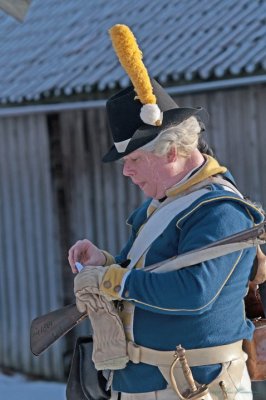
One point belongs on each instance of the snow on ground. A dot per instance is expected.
(18, 387)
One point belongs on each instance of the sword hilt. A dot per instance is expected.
(195, 392)
(185, 368)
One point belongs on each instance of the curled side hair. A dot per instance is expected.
(204, 147)
(184, 137)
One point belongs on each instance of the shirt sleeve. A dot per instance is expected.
(193, 290)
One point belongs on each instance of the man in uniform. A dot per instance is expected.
(191, 202)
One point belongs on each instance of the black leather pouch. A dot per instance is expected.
(84, 381)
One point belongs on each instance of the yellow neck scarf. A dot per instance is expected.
(210, 168)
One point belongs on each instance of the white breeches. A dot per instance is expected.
(244, 393)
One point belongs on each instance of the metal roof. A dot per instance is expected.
(63, 47)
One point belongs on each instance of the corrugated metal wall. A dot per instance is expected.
(236, 128)
(101, 198)
(54, 190)
(30, 267)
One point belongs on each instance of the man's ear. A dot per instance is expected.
(172, 154)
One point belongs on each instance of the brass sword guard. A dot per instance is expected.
(195, 392)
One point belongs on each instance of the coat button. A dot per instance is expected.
(117, 288)
(126, 294)
(107, 284)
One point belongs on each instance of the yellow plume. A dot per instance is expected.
(130, 57)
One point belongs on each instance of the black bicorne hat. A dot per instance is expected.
(128, 129)
(140, 112)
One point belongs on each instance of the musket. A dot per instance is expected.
(46, 329)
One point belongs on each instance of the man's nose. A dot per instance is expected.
(127, 170)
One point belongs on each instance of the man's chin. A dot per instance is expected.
(148, 193)
(145, 189)
(145, 192)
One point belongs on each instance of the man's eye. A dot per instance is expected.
(133, 160)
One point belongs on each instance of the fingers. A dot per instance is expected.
(78, 253)
(71, 259)
(81, 306)
(86, 253)
(90, 303)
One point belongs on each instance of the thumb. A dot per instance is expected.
(81, 306)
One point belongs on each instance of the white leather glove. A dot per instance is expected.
(104, 281)
(109, 342)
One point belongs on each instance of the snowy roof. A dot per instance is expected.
(63, 47)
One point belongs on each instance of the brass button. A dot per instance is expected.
(117, 288)
(107, 284)
(126, 294)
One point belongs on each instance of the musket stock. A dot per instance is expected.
(45, 330)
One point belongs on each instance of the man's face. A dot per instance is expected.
(148, 171)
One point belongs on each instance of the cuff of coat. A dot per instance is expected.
(109, 258)
(114, 280)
